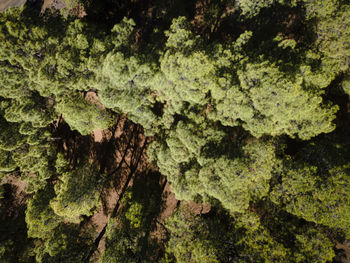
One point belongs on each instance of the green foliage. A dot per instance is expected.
(124, 77)
(204, 87)
(40, 218)
(189, 240)
(179, 157)
(257, 241)
(66, 243)
(125, 87)
(82, 115)
(252, 8)
(333, 31)
(180, 36)
(186, 72)
(282, 106)
(333, 35)
(238, 182)
(15, 246)
(321, 200)
(346, 85)
(321, 8)
(29, 110)
(134, 215)
(36, 164)
(77, 57)
(313, 246)
(190, 77)
(23, 144)
(10, 138)
(235, 182)
(122, 33)
(71, 3)
(49, 59)
(217, 237)
(7, 164)
(241, 88)
(77, 192)
(128, 235)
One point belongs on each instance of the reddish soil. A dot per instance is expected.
(101, 217)
(170, 203)
(120, 154)
(346, 247)
(199, 208)
(93, 97)
(98, 135)
(19, 189)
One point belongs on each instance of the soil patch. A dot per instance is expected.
(19, 189)
(346, 247)
(120, 154)
(56, 4)
(4, 4)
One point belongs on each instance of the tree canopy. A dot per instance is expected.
(175, 131)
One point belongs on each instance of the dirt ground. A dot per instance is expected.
(4, 4)
(119, 152)
(346, 247)
(19, 189)
(57, 4)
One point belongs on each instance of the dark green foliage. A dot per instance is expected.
(15, 246)
(7, 164)
(235, 183)
(323, 202)
(128, 235)
(26, 146)
(244, 101)
(252, 7)
(180, 156)
(40, 218)
(346, 85)
(192, 171)
(313, 246)
(333, 31)
(282, 106)
(36, 164)
(10, 138)
(216, 237)
(77, 193)
(66, 243)
(190, 239)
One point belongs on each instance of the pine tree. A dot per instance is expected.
(77, 192)
(82, 115)
(40, 218)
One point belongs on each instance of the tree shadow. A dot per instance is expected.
(148, 187)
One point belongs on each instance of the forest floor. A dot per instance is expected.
(18, 190)
(57, 4)
(120, 153)
(4, 4)
(346, 247)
